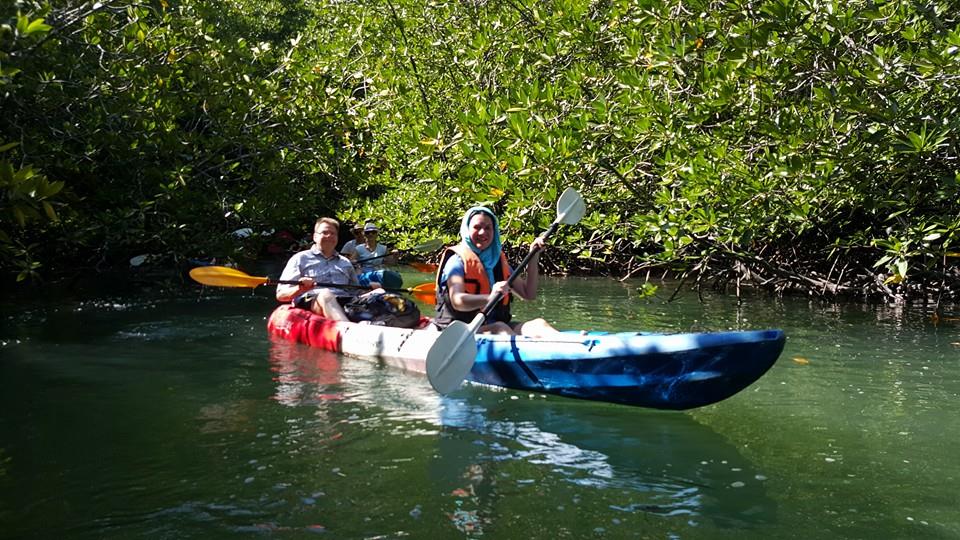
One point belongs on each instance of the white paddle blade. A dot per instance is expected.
(570, 207)
(429, 245)
(451, 357)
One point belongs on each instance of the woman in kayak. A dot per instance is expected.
(371, 255)
(475, 270)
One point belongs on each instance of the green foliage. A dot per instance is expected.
(171, 126)
(794, 143)
(792, 133)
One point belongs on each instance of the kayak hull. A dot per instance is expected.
(662, 371)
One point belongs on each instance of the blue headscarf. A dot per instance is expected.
(490, 256)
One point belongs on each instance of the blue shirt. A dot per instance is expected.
(364, 253)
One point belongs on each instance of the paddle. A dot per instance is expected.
(453, 353)
(222, 276)
(423, 267)
(429, 245)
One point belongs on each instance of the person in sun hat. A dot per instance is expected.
(371, 249)
(350, 247)
(473, 271)
(371, 256)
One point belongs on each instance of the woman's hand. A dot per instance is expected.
(538, 244)
(502, 287)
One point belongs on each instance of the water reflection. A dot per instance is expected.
(635, 461)
(309, 376)
(620, 461)
(304, 375)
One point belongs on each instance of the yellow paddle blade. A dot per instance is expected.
(425, 292)
(429, 287)
(426, 298)
(222, 276)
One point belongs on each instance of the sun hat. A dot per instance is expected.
(370, 227)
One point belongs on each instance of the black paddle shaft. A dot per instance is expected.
(492, 303)
(387, 254)
(332, 285)
(394, 252)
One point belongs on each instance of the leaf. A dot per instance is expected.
(902, 268)
(6, 173)
(37, 25)
(883, 260)
(51, 213)
(8, 146)
(51, 188)
(19, 216)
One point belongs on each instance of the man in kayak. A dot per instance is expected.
(473, 271)
(321, 264)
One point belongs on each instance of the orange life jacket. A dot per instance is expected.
(475, 281)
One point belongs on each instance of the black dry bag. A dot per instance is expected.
(383, 309)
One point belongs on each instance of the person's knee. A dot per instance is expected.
(317, 306)
(536, 327)
(498, 328)
(325, 295)
(504, 328)
(547, 325)
(323, 298)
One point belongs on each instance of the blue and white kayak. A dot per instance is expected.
(661, 371)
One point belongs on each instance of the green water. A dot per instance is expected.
(178, 418)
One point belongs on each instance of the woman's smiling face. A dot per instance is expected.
(480, 227)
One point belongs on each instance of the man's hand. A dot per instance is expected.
(305, 284)
(378, 290)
